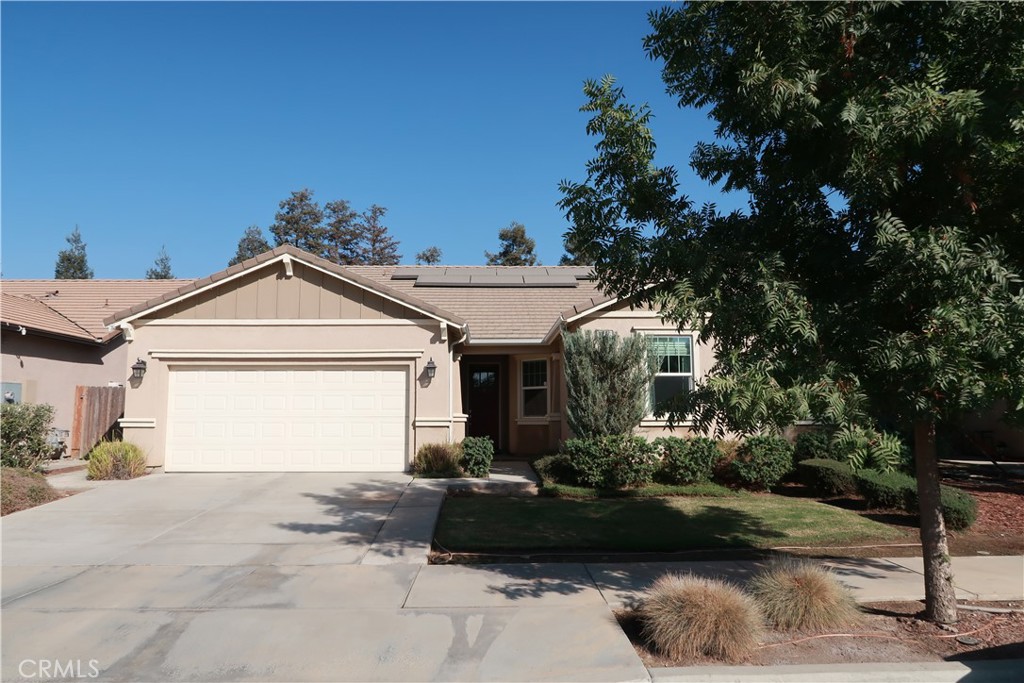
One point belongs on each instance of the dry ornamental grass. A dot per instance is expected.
(688, 616)
(803, 595)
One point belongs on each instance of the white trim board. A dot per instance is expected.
(260, 354)
(287, 322)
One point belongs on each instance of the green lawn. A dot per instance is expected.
(492, 523)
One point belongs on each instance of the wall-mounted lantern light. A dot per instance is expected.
(138, 369)
(431, 369)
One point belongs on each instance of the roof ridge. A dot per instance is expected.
(29, 297)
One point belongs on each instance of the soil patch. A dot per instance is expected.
(889, 632)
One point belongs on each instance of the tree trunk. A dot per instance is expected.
(939, 593)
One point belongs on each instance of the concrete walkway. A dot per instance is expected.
(323, 578)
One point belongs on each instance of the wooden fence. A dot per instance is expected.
(97, 410)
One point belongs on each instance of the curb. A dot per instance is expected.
(990, 671)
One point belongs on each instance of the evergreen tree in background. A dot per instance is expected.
(72, 263)
(161, 269)
(300, 222)
(516, 248)
(876, 274)
(431, 256)
(376, 246)
(253, 243)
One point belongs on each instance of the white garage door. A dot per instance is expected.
(287, 420)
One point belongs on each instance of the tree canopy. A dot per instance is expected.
(161, 269)
(516, 249)
(252, 243)
(72, 263)
(876, 273)
(431, 256)
(335, 231)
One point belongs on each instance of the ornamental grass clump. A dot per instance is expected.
(799, 595)
(438, 460)
(686, 616)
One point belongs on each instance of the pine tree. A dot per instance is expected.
(72, 263)
(299, 222)
(431, 256)
(516, 248)
(161, 269)
(252, 244)
(376, 246)
(344, 234)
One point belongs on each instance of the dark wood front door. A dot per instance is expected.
(482, 399)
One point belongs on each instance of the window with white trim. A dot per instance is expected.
(533, 388)
(674, 374)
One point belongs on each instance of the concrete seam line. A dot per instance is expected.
(241, 578)
(86, 568)
(412, 583)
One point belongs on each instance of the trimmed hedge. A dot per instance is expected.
(21, 489)
(687, 461)
(762, 461)
(477, 455)
(24, 428)
(812, 446)
(827, 477)
(898, 491)
(612, 462)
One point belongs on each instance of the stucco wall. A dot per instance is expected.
(49, 369)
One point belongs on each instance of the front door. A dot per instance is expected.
(482, 399)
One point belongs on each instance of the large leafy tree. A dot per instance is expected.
(431, 256)
(72, 263)
(251, 244)
(299, 221)
(161, 269)
(516, 247)
(876, 273)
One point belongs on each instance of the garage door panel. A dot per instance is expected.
(284, 419)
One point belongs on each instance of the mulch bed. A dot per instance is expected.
(889, 632)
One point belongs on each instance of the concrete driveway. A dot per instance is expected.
(282, 577)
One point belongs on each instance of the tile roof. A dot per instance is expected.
(82, 304)
(346, 271)
(519, 313)
(35, 315)
(513, 313)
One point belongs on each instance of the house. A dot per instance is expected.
(289, 362)
(52, 337)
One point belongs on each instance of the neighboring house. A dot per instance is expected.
(288, 362)
(53, 337)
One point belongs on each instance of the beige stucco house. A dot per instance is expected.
(52, 337)
(288, 362)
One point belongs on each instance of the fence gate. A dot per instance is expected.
(97, 410)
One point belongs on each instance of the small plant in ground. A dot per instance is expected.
(21, 489)
(814, 445)
(477, 455)
(23, 431)
(612, 462)
(690, 616)
(116, 460)
(687, 461)
(803, 595)
(762, 461)
(827, 477)
(959, 509)
(438, 460)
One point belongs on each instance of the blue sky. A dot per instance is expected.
(180, 124)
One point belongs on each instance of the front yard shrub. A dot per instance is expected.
(827, 477)
(21, 489)
(959, 508)
(477, 455)
(116, 460)
(887, 490)
(555, 469)
(762, 461)
(803, 595)
(812, 446)
(612, 462)
(23, 431)
(898, 491)
(686, 616)
(438, 460)
(607, 382)
(687, 461)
